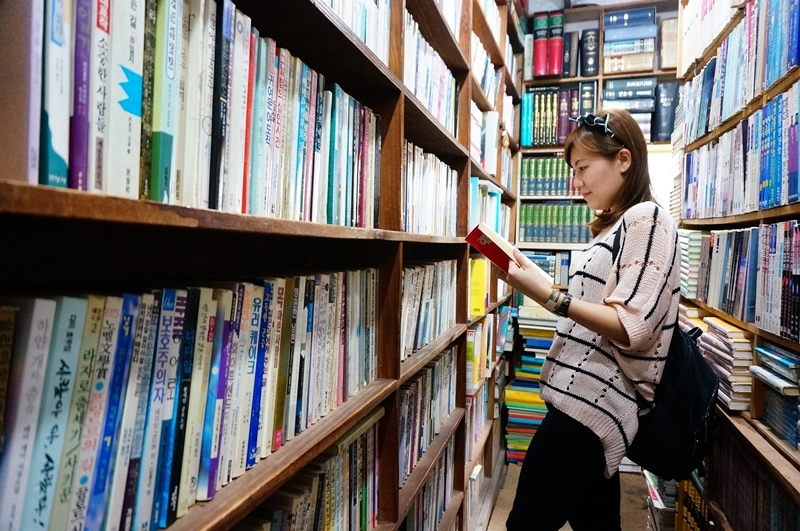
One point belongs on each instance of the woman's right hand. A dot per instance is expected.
(526, 276)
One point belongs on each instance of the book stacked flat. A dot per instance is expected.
(630, 38)
(729, 350)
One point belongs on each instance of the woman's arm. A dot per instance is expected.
(599, 318)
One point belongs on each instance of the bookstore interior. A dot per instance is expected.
(295, 321)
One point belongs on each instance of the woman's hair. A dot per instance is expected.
(596, 137)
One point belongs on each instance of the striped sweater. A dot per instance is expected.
(593, 379)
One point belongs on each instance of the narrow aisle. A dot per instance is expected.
(634, 501)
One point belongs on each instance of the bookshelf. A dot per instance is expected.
(748, 443)
(92, 243)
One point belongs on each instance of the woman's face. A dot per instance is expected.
(597, 179)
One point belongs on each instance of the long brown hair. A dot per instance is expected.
(627, 134)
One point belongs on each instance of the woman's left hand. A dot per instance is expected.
(527, 277)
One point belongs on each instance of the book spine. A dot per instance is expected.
(283, 366)
(231, 185)
(622, 94)
(181, 408)
(633, 62)
(148, 74)
(99, 95)
(165, 102)
(626, 33)
(32, 338)
(268, 174)
(629, 17)
(540, 36)
(243, 385)
(231, 418)
(79, 119)
(590, 52)
(150, 315)
(567, 54)
(53, 166)
(125, 108)
(206, 321)
(7, 318)
(257, 193)
(555, 43)
(57, 390)
(219, 131)
(255, 372)
(118, 480)
(249, 154)
(264, 436)
(96, 509)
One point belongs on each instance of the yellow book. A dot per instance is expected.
(514, 395)
(478, 286)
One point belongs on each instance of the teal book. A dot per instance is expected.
(57, 391)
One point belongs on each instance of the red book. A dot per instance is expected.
(562, 129)
(496, 248)
(555, 43)
(541, 35)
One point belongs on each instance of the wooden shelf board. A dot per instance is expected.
(787, 450)
(511, 86)
(780, 213)
(417, 478)
(477, 448)
(490, 492)
(481, 28)
(557, 80)
(408, 237)
(542, 246)
(512, 32)
(421, 357)
(355, 67)
(781, 469)
(452, 510)
(242, 495)
(479, 97)
(513, 145)
(438, 33)
(425, 131)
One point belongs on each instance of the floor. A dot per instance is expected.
(634, 504)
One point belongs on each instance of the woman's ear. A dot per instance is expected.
(624, 158)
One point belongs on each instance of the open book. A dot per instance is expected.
(497, 249)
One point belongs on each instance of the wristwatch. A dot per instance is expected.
(563, 308)
(552, 301)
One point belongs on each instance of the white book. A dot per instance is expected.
(22, 27)
(201, 366)
(228, 437)
(299, 331)
(321, 164)
(161, 402)
(121, 150)
(32, 334)
(195, 55)
(292, 120)
(266, 420)
(240, 60)
(57, 93)
(242, 393)
(183, 188)
(282, 106)
(270, 95)
(256, 197)
(203, 164)
(99, 96)
(127, 425)
(102, 369)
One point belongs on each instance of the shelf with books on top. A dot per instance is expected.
(791, 453)
(480, 98)
(411, 365)
(482, 29)
(511, 85)
(439, 34)
(551, 198)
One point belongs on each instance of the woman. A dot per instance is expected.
(610, 345)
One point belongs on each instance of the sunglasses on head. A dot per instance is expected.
(598, 123)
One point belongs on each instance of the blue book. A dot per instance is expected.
(59, 382)
(256, 424)
(95, 514)
(626, 33)
(301, 147)
(793, 29)
(629, 17)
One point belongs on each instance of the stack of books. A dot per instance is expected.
(630, 40)
(691, 261)
(779, 369)
(729, 350)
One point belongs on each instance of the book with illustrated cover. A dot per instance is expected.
(496, 248)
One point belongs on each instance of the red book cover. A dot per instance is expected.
(555, 43)
(541, 35)
(491, 245)
(562, 129)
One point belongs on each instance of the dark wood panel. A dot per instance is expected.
(429, 352)
(425, 131)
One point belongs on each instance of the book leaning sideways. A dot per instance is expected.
(497, 249)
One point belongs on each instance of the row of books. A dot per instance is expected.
(700, 25)
(480, 352)
(484, 136)
(338, 490)
(491, 13)
(555, 264)
(691, 510)
(476, 418)
(177, 392)
(431, 502)
(425, 402)
(752, 167)
(480, 271)
(369, 20)
(661, 498)
(451, 11)
(426, 75)
(554, 222)
(545, 176)
(486, 206)
(429, 194)
(779, 370)
(489, 78)
(428, 305)
(759, 51)
(545, 113)
(259, 132)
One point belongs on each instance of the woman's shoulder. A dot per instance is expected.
(649, 211)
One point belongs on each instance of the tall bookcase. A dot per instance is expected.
(752, 455)
(66, 241)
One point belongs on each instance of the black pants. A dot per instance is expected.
(562, 479)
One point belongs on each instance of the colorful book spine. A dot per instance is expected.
(174, 454)
(243, 384)
(32, 334)
(253, 39)
(540, 36)
(256, 439)
(79, 120)
(103, 470)
(206, 325)
(274, 357)
(160, 409)
(148, 75)
(59, 380)
(283, 366)
(165, 99)
(232, 400)
(251, 396)
(118, 479)
(54, 153)
(257, 192)
(555, 42)
(102, 369)
(268, 175)
(125, 107)
(151, 304)
(215, 398)
(220, 112)
(8, 316)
